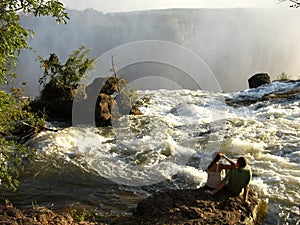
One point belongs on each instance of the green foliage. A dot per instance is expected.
(81, 216)
(12, 159)
(13, 115)
(64, 78)
(283, 77)
(10, 110)
(13, 37)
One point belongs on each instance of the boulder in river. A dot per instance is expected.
(258, 80)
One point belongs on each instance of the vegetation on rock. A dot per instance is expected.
(61, 80)
(283, 77)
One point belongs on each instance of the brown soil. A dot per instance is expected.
(10, 215)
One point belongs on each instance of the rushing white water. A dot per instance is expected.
(169, 146)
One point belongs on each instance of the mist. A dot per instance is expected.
(234, 43)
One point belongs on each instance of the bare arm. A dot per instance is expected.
(226, 167)
(229, 160)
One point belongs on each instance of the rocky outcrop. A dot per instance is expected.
(258, 80)
(101, 110)
(195, 207)
(110, 108)
(55, 101)
(106, 106)
(106, 110)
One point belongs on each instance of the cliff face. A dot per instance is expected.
(196, 207)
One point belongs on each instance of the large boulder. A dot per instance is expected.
(109, 108)
(105, 111)
(258, 80)
(106, 107)
(196, 207)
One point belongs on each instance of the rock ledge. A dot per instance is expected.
(196, 207)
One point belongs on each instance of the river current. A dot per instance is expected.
(168, 147)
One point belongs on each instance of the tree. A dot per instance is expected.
(60, 81)
(12, 155)
(13, 37)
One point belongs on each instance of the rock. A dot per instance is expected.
(111, 86)
(56, 109)
(90, 108)
(53, 90)
(195, 207)
(258, 80)
(105, 110)
(108, 108)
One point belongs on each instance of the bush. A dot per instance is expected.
(12, 159)
(14, 117)
(60, 81)
(283, 77)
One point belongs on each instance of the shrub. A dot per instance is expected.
(60, 81)
(14, 116)
(283, 77)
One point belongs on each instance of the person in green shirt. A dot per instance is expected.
(237, 180)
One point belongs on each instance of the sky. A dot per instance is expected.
(134, 5)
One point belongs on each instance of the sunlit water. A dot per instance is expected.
(112, 169)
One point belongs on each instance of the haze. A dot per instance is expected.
(234, 42)
(134, 5)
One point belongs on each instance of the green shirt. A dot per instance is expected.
(237, 178)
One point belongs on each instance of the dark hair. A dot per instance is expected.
(216, 159)
(242, 161)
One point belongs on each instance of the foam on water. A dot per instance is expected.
(177, 134)
(266, 89)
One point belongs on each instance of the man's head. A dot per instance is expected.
(242, 162)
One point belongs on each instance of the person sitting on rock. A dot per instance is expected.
(214, 175)
(237, 180)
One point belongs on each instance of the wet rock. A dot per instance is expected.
(258, 80)
(195, 207)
